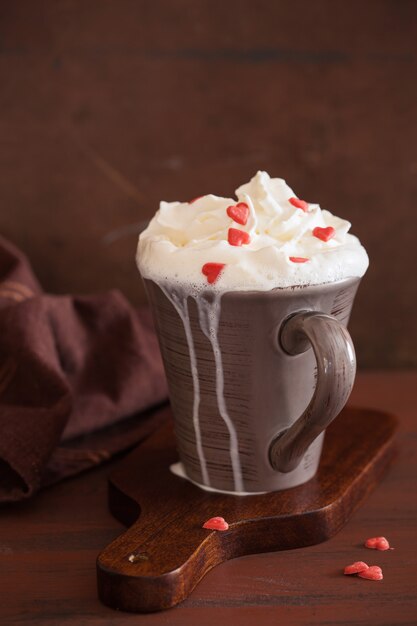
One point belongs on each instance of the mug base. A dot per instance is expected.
(179, 470)
(266, 479)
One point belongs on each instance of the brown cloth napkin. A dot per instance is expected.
(75, 371)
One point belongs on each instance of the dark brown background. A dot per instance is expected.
(108, 106)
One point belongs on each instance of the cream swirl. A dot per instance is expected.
(287, 245)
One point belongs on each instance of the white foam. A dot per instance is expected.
(183, 236)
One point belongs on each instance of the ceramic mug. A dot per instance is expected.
(252, 403)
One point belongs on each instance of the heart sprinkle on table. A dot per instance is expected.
(212, 271)
(216, 523)
(378, 543)
(372, 573)
(239, 212)
(355, 568)
(299, 204)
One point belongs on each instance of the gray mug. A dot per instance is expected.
(287, 368)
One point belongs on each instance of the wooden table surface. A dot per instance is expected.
(48, 548)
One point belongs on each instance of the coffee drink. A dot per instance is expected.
(240, 290)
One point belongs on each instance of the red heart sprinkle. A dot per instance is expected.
(298, 259)
(237, 237)
(239, 212)
(377, 543)
(355, 568)
(195, 199)
(324, 233)
(299, 204)
(216, 523)
(212, 271)
(372, 573)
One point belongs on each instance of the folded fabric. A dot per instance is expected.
(79, 376)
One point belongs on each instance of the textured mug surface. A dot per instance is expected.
(265, 389)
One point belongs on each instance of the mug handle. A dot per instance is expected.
(336, 369)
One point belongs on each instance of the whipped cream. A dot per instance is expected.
(283, 249)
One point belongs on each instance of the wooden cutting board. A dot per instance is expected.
(159, 560)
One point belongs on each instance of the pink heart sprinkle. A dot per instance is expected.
(212, 271)
(377, 543)
(355, 568)
(239, 212)
(299, 204)
(298, 259)
(324, 233)
(372, 573)
(237, 237)
(216, 523)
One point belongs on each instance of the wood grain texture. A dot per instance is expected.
(160, 559)
(108, 107)
(48, 548)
